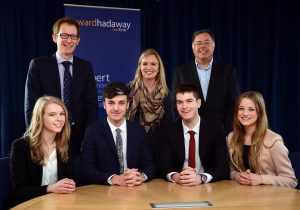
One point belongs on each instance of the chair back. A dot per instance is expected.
(295, 159)
(5, 181)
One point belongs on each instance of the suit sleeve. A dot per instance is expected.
(20, 173)
(219, 167)
(89, 170)
(32, 91)
(91, 97)
(285, 174)
(165, 161)
(232, 95)
(176, 82)
(146, 163)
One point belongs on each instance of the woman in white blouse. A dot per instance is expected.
(40, 162)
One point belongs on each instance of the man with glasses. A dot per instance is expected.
(65, 76)
(216, 82)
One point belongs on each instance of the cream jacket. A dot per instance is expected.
(276, 167)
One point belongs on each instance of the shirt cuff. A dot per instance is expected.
(169, 175)
(109, 179)
(209, 177)
(144, 176)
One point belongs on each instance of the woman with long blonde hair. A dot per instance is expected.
(150, 98)
(257, 154)
(40, 162)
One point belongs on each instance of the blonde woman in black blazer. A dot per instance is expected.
(45, 143)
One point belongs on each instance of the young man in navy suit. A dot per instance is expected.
(116, 151)
(193, 149)
(47, 76)
(216, 82)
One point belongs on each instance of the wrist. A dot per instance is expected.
(203, 178)
(143, 176)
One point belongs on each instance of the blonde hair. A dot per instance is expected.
(160, 78)
(34, 131)
(238, 137)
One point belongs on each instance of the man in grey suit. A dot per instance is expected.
(47, 76)
(216, 82)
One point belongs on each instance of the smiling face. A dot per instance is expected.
(53, 119)
(149, 67)
(247, 113)
(66, 47)
(203, 48)
(116, 109)
(187, 106)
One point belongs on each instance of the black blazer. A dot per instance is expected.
(99, 159)
(212, 149)
(221, 95)
(27, 176)
(43, 79)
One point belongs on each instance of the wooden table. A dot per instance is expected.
(222, 195)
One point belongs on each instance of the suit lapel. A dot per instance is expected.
(109, 137)
(55, 72)
(130, 143)
(76, 78)
(179, 140)
(59, 166)
(214, 81)
(203, 138)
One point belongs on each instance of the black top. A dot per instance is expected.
(246, 156)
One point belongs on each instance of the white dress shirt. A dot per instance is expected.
(199, 167)
(50, 169)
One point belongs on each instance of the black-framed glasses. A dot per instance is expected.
(205, 43)
(66, 36)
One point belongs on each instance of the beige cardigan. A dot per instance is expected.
(276, 167)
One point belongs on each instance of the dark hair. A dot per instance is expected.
(115, 89)
(208, 31)
(67, 20)
(188, 88)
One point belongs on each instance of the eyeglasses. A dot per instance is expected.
(205, 43)
(66, 36)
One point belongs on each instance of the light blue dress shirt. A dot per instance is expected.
(204, 77)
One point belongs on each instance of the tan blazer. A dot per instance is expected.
(276, 167)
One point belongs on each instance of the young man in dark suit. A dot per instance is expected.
(65, 76)
(116, 151)
(193, 149)
(216, 82)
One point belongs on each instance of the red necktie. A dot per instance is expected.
(192, 150)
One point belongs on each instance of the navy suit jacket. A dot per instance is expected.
(27, 176)
(212, 149)
(221, 95)
(99, 159)
(43, 79)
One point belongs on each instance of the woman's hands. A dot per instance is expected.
(62, 186)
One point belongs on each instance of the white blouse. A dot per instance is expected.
(50, 170)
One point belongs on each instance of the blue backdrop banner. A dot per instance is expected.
(110, 40)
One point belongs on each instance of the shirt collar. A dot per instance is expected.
(208, 67)
(60, 59)
(195, 129)
(113, 127)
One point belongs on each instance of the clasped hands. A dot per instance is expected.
(131, 177)
(248, 178)
(64, 186)
(187, 177)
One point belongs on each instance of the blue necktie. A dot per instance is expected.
(119, 145)
(68, 89)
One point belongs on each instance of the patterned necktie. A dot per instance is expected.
(68, 89)
(119, 145)
(192, 150)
